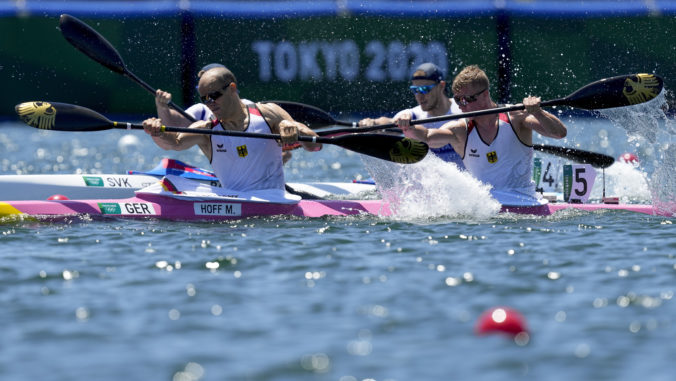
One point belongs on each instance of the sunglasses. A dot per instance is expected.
(214, 95)
(465, 99)
(422, 89)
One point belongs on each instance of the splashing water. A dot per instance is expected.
(648, 125)
(623, 180)
(431, 188)
(643, 121)
(663, 181)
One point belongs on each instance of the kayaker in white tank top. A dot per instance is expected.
(497, 150)
(247, 163)
(198, 111)
(504, 163)
(240, 163)
(429, 89)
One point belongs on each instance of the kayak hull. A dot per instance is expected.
(163, 207)
(551, 208)
(171, 208)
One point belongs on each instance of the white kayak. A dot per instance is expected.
(112, 186)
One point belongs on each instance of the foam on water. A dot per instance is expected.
(647, 125)
(432, 188)
(623, 180)
(663, 181)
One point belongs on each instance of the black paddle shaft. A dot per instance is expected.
(619, 91)
(67, 117)
(96, 47)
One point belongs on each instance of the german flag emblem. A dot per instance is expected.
(641, 88)
(168, 186)
(242, 151)
(408, 151)
(37, 114)
(492, 157)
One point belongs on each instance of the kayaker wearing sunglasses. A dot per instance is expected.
(496, 148)
(240, 163)
(198, 111)
(429, 89)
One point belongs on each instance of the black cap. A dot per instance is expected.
(428, 71)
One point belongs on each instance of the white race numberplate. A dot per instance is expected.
(217, 209)
(127, 208)
(578, 181)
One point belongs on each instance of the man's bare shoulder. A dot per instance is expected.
(270, 109)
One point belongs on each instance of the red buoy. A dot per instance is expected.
(501, 320)
(57, 197)
(628, 158)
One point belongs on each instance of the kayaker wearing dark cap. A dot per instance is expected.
(429, 88)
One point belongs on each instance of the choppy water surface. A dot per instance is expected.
(336, 298)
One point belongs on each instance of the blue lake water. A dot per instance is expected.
(335, 298)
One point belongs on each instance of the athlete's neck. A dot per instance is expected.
(237, 120)
(487, 121)
(441, 108)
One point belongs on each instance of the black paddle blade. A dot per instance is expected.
(91, 43)
(407, 151)
(311, 116)
(386, 147)
(620, 91)
(597, 160)
(61, 117)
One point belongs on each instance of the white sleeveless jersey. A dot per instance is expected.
(445, 153)
(248, 163)
(506, 163)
